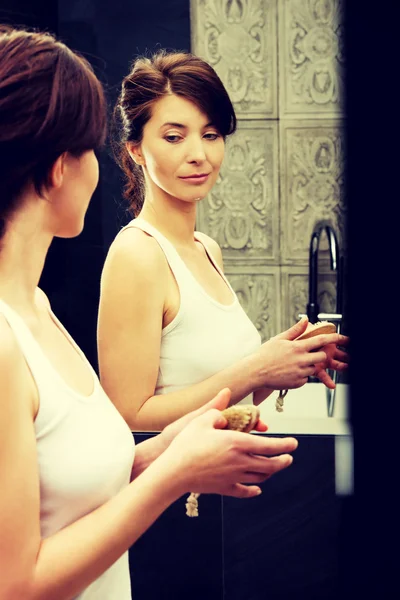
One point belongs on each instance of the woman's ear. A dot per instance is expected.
(135, 153)
(57, 171)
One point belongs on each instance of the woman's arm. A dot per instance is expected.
(147, 452)
(64, 564)
(261, 395)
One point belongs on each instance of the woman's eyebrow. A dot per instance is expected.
(170, 124)
(181, 126)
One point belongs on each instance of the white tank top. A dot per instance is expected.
(205, 336)
(85, 452)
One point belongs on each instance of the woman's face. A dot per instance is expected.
(181, 150)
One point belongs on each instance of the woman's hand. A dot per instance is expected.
(336, 359)
(286, 363)
(219, 402)
(205, 458)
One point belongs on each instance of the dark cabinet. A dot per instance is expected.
(285, 543)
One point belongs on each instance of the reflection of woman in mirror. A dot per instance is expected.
(171, 330)
(72, 500)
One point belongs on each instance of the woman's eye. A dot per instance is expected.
(172, 138)
(211, 136)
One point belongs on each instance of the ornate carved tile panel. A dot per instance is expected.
(238, 38)
(258, 290)
(284, 168)
(242, 210)
(311, 184)
(311, 59)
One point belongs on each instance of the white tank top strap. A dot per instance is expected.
(24, 337)
(175, 262)
(198, 236)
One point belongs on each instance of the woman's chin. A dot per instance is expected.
(196, 197)
(192, 199)
(70, 232)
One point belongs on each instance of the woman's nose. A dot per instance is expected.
(196, 151)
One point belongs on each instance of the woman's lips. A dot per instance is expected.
(196, 179)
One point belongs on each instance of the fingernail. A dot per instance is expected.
(259, 491)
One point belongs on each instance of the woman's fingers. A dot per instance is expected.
(255, 477)
(276, 464)
(238, 490)
(309, 371)
(265, 446)
(337, 366)
(220, 402)
(267, 466)
(319, 341)
(326, 379)
(295, 330)
(213, 417)
(261, 426)
(341, 356)
(345, 341)
(316, 357)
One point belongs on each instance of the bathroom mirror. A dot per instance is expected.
(282, 172)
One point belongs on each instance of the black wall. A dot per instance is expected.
(42, 14)
(110, 34)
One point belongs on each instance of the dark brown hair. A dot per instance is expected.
(51, 102)
(150, 79)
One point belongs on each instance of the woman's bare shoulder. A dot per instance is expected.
(134, 260)
(134, 247)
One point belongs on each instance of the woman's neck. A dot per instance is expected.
(23, 250)
(173, 218)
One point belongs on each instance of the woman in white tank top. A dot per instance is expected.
(72, 500)
(170, 325)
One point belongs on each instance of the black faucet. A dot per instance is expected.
(313, 313)
(313, 307)
(336, 265)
